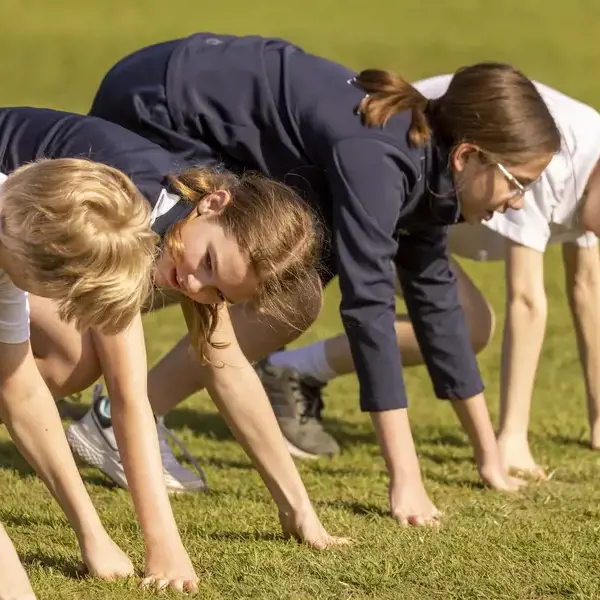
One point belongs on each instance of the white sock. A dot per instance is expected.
(308, 360)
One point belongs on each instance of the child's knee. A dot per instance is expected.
(70, 369)
(482, 325)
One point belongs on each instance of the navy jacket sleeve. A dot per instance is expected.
(368, 186)
(431, 296)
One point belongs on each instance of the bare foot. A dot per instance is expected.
(105, 560)
(498, 479)
(14, 583)
(308, 529)
(517, 458)
(410, 505)
(168, 565)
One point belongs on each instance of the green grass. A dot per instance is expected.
(541, 544)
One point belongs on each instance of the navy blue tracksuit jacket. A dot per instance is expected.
(28, 134)
(264, 104)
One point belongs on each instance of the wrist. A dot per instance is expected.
(167, 542)
(405, 476)
(296, 507)
(89, 532)
(160, 532)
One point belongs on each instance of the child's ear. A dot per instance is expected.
(461, 156)
(214, 203)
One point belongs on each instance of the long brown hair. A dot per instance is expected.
(492, 105)
(275, 228)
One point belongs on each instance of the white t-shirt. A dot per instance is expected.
(549, 212)
(14, 306)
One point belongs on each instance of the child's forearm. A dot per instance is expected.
(123, 360)
(240, 397)
(137, 440)
(30, 414)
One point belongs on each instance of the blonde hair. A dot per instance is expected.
(278, 232)
(81, 230)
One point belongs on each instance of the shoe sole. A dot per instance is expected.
(298, 453)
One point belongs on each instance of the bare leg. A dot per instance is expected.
(69, 363)
(524, 329)
(475, 420)
(66, 359)
(178, 374)
(480, 320)
(14, 583)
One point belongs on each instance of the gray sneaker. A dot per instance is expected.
(92, 440)
(297, 403)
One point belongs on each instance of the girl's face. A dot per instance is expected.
(485, 188)
(212, 267)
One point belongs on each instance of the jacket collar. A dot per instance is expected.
(440, 191)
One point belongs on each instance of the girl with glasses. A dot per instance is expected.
(558, 208)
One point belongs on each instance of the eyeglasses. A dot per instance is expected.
(519, 188)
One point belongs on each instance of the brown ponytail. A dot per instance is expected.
(389, 94)
(491, 105)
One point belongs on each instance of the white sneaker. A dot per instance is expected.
(92, 439)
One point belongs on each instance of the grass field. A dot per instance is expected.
(541, 544)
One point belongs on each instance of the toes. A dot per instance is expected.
(191, 587)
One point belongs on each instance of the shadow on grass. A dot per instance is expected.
(73, 410)
(63, 566)
(224, 463)
(456, 481)
(11, 458)
(357, 508)
(450, 440)
(24, 520)
(320, 467)
(207, 424)
(212, 425)
(564, 440)
(246, 536)
(99, 480)
(440, 459)
(349, 434)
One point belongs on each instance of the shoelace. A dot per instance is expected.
(313, 400)
(308, 395)
(167, 433)
(165, 452)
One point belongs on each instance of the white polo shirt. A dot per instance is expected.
(549, 213)
(14, 307)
